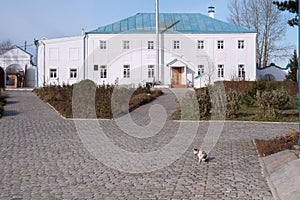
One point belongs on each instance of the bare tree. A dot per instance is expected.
(269, 23)
(5, 46)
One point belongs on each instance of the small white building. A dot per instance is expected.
(194, 49)
(272, 73)
(17, 69)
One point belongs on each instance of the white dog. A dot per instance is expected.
(202, 155)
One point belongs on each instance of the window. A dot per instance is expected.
(102, 44)
(241, 71)
(200, 69)
(103, 71)
(176, 44)
(150, 71)
(95, 67)
(150, 44)
(53, 73)
(126, 45)
(220, 44)
(126, 71)
(200, 44)
(220, 71)
(73, 73)
(241, 44)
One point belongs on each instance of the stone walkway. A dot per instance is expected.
(43, 157)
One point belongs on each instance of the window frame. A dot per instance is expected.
(176, 44)
(220, 44)
(200, 69)
(241, 44)
(103, 71)
(51, 73)
(72, 74)
(220, 70)
(126, 71)
(200, 44)
(126, 44)
(151, 71)
(102, 44)
(241, 71)
(150, 44)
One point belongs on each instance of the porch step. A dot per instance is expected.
(178, 86)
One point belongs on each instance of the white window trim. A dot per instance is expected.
(150, 44)
(200, 44)
(243, 46)
(126, 44)
(151, 71)
(53, 68)
(221, 71)
(176, 44)
(202, 69)
(128, 74)
(220, 44)
(102, 44)
(243, 70)
(72, 68)
(100, 71)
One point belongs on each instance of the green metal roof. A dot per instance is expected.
(188, 23)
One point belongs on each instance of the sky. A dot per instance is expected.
(26, 20)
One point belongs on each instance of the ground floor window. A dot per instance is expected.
(53, 73)
(150, 44)
(150, 71)
(220, 71)
(126, 71)
(200, 69)
(241, 71)
(103, 71)
(73, 73)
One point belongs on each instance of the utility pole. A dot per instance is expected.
(157, 38)
(25, 46)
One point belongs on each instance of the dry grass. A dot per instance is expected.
(268, 147)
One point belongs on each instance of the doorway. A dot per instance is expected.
(177, 75)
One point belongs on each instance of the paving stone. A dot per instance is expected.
(43, 157)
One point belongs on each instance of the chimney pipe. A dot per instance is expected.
(211, 11)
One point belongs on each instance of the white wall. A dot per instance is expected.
(21, 58)
(57, 53)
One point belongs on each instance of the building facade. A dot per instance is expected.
(17, 69)
(194, 50)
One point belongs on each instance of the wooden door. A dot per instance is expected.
(176, 75)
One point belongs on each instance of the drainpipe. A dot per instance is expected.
(84, 53)
(36, 42)
(157, 38)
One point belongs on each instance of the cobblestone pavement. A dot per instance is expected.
(42, 157)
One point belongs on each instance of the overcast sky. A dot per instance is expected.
(34, 19)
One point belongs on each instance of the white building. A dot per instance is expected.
(17, 69)
(272, 73)
(194, 49)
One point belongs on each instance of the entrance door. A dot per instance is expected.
(176, 75)
(1, 78)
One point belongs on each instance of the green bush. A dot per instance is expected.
(271, 102)
(95, 101)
